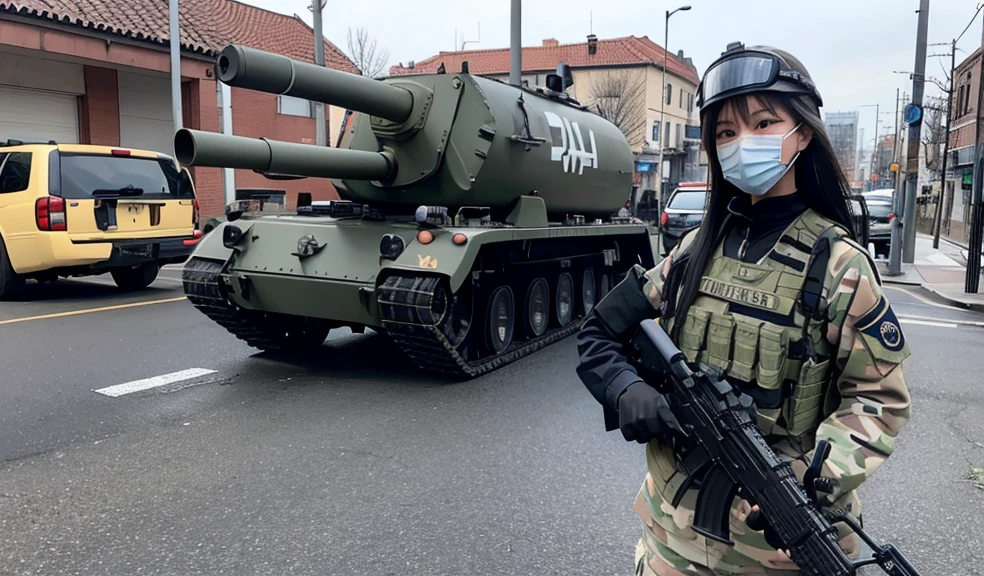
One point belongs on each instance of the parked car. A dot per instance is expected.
(883, 195)
(684, 210)
(80, 210)
(880, 216)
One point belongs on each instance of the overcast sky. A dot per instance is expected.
(850, 47)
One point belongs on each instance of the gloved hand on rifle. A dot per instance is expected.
(756, 521)
(644, 414)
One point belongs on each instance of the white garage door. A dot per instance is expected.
(146, 121)
(38, 116)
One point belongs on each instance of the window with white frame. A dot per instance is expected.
(292, 106)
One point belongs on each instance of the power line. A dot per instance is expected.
(979, 6)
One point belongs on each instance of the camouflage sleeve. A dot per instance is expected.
(868, 402)
(656, 276)
(603, 364)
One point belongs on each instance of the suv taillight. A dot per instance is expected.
(663, 219)
(195, 212)
(49, 213)
(891, 217)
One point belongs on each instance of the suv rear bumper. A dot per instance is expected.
(56, 251)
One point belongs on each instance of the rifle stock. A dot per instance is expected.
(726, 455)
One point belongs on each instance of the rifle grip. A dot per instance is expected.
(812, 473)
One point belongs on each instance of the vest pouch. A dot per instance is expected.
(694, 332)
(719, 339)
(772, 356)
(803, 406)
(746, 350)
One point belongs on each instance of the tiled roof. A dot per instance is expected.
(206, 25)
(611, 52)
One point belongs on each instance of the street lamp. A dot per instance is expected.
(662, 105)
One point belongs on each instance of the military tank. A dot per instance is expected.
(476, 221)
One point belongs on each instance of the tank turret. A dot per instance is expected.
(440, 139)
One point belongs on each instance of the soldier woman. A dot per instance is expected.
(773, 289)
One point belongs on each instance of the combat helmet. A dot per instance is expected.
(741, 70)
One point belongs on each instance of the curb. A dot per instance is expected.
(891, 280)
(954, 302)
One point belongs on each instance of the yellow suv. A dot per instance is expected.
(79, 210)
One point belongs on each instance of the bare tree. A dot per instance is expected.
(363, 52)
(935, 133)
(619, 96)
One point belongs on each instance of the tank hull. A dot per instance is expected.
(421, 297)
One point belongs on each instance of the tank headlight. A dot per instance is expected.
(391, 246)
(231, 236)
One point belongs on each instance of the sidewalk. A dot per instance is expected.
(942, 272)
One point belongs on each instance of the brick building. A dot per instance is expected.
(960, 164)
(98, 72)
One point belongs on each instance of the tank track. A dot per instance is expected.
(405, 301)
(200, 278)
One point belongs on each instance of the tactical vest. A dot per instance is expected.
(747, 321)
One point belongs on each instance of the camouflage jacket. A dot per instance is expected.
(866, 407)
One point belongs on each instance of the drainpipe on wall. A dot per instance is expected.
(229, 173)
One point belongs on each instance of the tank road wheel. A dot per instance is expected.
(606, 285)
(501, 319)
(537, 307)
(457, 321)
(565, 299)
(588, 291)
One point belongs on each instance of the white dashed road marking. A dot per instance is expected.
(948, 321)
(156, 381)
(927, 323)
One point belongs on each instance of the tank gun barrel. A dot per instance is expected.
(244, 67)
(197, 148)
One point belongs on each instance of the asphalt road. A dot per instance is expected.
(354, 462)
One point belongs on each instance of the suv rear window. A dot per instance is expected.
(879, 209)
(82, 175)
(689, 200)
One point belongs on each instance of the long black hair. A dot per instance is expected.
(820, 183)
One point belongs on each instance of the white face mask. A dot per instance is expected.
(753, 162)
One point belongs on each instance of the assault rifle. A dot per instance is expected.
(725, 455)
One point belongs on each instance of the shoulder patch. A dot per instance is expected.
(881, 325)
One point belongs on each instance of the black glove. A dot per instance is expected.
(644, 414)
(756, 521)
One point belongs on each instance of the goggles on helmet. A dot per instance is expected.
(749, 71)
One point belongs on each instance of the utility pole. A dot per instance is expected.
(912, 177)
(174, 40)
(895, 141)
(973, 278)
(319, 59)
(946, 148)
(907, 243)
(874, 152)
(516, 43)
